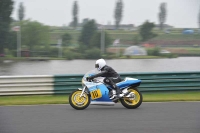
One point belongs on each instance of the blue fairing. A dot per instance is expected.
(103, 88)
(104, 92)
(127, 83)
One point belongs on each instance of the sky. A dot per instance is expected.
(180, 13)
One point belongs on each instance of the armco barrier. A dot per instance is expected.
(65, 84)
(26, 85)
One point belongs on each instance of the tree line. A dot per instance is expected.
(36, 36)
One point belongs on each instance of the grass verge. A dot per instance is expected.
(142, 57)
(33, 100)
(171, 96)
(51, 58)
(63, 99)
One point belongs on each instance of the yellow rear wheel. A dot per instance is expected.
(134, 101)
(78, 102)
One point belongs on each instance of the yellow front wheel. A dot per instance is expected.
(134, 100)
(78, 102)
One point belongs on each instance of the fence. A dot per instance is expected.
(64, 84)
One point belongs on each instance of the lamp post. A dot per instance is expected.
(102, 40)
(60, 48)
(18, 30)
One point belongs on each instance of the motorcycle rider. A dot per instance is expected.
(111, 77)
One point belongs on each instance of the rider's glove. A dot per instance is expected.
(89, 78)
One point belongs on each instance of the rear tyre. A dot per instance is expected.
(78, 102)
(133, 102)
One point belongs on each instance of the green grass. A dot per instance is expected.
(175, 35)
(63, 99)
(33, 100)
(142, 57)
(52, 58)
(190, 49)
(171, 96)
(12, 58)
(184, 50)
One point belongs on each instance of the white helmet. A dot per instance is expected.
(100, 63)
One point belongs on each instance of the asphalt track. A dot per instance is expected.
(169, 117)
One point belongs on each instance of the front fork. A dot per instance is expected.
(83, 90)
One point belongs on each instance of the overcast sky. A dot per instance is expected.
(180, 13)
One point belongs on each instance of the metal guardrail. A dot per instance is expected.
(65, 84)
(26, 85)
(151, 82)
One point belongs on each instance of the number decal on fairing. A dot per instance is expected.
(96, 94)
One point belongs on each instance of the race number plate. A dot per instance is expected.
(96, 94)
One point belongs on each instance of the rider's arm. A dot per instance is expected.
(102, 73)
(99, 74)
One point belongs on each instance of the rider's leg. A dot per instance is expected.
(113, 81)
(112, 94)
(110, 82)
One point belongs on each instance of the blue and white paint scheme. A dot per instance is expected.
(102, 90)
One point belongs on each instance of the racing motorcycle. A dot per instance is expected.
(95, 92)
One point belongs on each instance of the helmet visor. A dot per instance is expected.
(96, 65)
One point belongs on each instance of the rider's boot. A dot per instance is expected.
(118, 91)
(118, 95)
(112, 94)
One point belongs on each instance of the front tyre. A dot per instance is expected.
(134, 101)
(78, 102)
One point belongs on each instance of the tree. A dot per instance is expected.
(199, 18)
(89, 29)
(66, 38)
(21, 11)
(93, 53)
(12, 41)
(146, 31)
(85, 20)
(35, 34)
(75, 14)
(162, 15)
(96, 40)
(136, 39)
(6, 7)
(118, 13)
